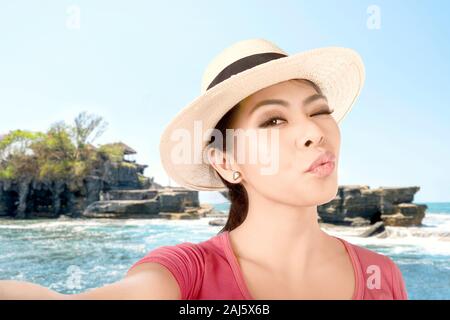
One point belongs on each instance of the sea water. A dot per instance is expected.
(74, 255)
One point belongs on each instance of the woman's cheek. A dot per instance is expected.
(268, 152)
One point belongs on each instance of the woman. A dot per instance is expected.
(278, 164)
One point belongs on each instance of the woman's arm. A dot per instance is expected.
(150, 281)
(12, 290)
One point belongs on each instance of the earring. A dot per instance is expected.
(236, 175)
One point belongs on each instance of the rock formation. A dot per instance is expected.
(171, 203)
(359, 205)
(115, 189)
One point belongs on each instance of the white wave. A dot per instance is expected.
(439, 220)
(412, 245)
(80, 224)
(433, 237)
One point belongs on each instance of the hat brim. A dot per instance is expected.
(339, 72)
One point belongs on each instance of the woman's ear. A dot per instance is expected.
(222, 163)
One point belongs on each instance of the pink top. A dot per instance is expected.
(209, 270)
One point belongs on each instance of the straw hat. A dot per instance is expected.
(237, 72)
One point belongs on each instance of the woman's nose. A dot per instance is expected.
(312, 135)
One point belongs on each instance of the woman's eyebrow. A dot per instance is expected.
(284, 103)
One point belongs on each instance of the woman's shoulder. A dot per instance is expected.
(183, 253)
(379, 273)
(189, 249)
(370, 257)
(185, 260)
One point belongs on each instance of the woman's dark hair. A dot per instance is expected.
(237, 195)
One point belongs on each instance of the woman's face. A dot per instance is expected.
(285, 137)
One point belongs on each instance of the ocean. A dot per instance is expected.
(75, 255)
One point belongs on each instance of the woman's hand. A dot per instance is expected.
(150, 281)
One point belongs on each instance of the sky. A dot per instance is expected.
(136, 63)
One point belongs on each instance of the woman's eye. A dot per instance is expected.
(273, 121)
(325, 112)
(270, 123)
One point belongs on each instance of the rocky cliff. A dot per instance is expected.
(26, 198)
(60, 172)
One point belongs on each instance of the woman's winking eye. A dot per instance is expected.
(275, 117)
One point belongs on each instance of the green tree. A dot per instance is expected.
(17, 158)
(63, 153)
(55, 153)
(17, 142)
(86, 129)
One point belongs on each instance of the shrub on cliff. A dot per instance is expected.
(63, 153)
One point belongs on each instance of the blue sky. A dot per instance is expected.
(136, 63)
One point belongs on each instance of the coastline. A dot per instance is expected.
(47, 251)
